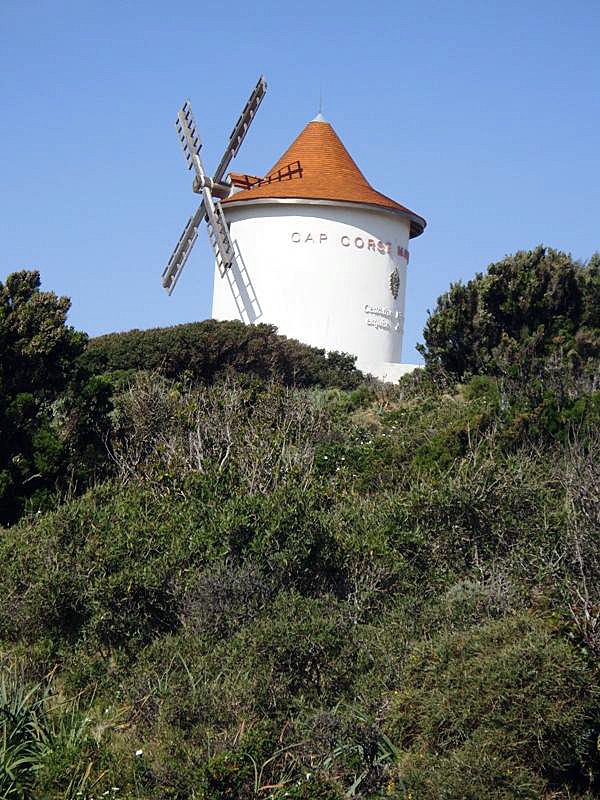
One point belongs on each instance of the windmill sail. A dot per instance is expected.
(182, 250)
(238, 134)
(188, 134)
(211, 189)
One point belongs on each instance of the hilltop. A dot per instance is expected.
(277, 578)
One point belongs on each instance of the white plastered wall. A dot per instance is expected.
(322, 274)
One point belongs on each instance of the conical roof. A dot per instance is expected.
(328, 173)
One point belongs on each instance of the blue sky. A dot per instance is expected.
(482, 117)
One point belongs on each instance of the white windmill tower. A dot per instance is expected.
(311, 248)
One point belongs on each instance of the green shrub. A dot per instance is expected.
(226, 776)
(498, 689)
(205, 350)
(532, 303)
(38, 352)
(470, 772)
(103, 566)
(106, 566)
(482, 387)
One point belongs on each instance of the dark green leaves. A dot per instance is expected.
(537, 302)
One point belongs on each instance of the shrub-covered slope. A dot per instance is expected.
(317, 594)
(234, 571)
(57, 387)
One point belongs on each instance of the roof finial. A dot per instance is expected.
(320, 117)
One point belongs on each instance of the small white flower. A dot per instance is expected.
(139, 752)
(325, 457)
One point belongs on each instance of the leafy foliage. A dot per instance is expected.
(38, 349)
(203, 351)
(382, 622)
(533, 303)
(497, 690)
(57, 389)
(53, 417)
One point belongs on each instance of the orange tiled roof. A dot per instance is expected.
(328, 173)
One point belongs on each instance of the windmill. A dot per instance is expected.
(212, 189)
(311, 248)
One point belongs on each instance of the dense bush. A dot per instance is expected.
(206, 350)
(533, 303)
(53, 414)
(497, 690)
(38, 353)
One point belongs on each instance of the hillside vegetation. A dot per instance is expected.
(290, 589)
(205, 351)
(57, 387)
